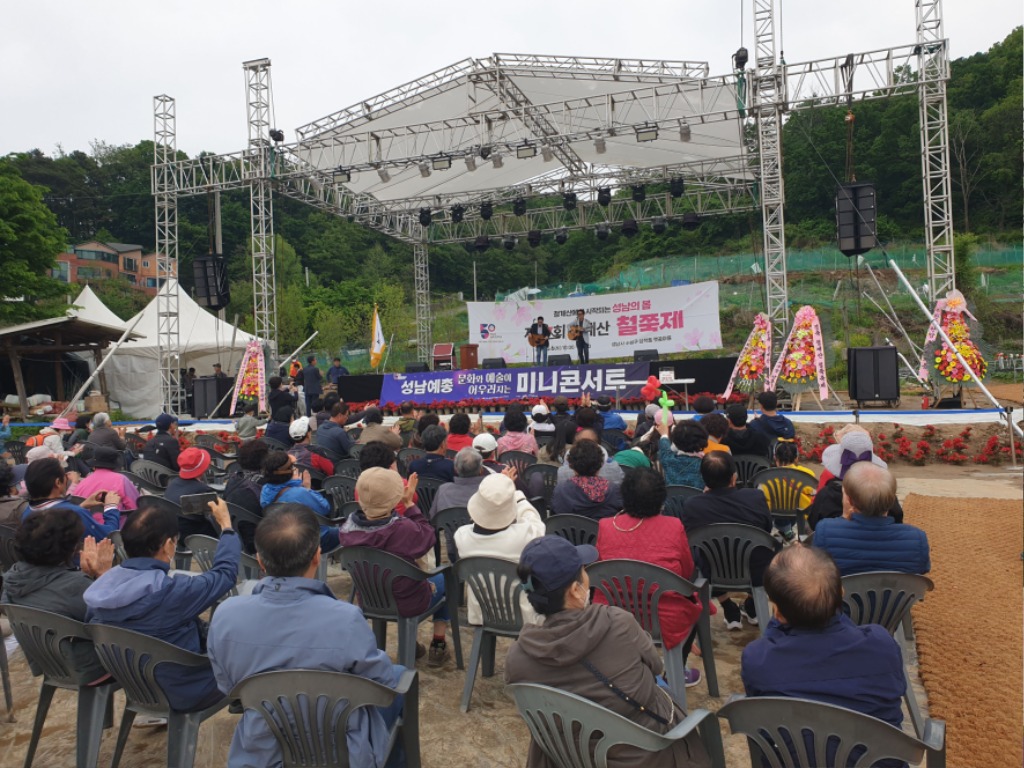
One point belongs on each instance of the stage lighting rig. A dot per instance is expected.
(533, 237)
(424, 170)
(341, 176)
(647, 133)
(519, 206)
(600, 146)
(602, 231)
(547, 154)
(691, 221)
(561, 235)
(526, 151)
(639, 193)
(684, 132)
(482, 243)
(486, 210)
(659, 225)
(509, 242)
(457, 212)
(740, 58)
(385, 175)
(441, 163)
(604, 196)
(425, 217)
(630, 227)
(676, 185)
(277, 135)
(569, 201)
(470, 163)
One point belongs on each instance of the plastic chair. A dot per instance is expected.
(637, 587)
(323, 702)
(447, 521)
(143, 484)
(574, 732)
(347, 468)
(807, 730)
(354, 451)
(520, 460)
(576, 528)
(497, 588)
(275, 445)
(348, 509)
(156, 475)
(120, 553)
(676, 498)
(204, 551)
(885, 598)
(239, 513)
(132, 658)
(8, 553)
(46, 639)
(17, 450)
(426, 490)
(373, 575)
(135, 443)
(355, 433)
(407, 456)
(726, 550)
(784, 489)
(339, 490)
(540, 480)
(748, 465)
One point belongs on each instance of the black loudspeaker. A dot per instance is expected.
(873, 374)
(207, 392)
(417, 368)
(560, 360)
(494, 362)
(211, 278)
(645, 356)
(856, 214)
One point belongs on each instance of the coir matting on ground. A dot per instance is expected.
(969, 635)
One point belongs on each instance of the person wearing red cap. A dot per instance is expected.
(193, 463)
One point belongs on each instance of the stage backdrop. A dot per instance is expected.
(677, 319)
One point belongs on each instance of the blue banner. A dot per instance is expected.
(515, 383)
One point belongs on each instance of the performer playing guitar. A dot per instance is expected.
(539, 336)
(579, 331)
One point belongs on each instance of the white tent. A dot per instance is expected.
(88, 306)
(133, 373)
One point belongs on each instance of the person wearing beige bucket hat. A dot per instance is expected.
(503, 523)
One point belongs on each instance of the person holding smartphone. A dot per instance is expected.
(193, 462)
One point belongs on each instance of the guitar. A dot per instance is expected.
(575, 332)
(536, 339)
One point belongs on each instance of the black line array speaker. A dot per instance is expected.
(873, 373)
(560, 360)
(416, 368)
(211, 278)
(856, 218)
(494, 362)
(645, 356)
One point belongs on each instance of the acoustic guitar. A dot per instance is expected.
(575, 332)
(536, 339)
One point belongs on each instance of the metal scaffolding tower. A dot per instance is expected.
(933, 69)
(769, 98)
(164, 187)
(424, 313)
(260, 172)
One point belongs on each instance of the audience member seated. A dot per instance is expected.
(280, 424)
(377, 454)
(45, 576)
(517, 437)
(542, 425)
(741, 439)
(787, 457)
(436, 463)
(256, 633)
(641, 532)
(587, 417)
(459, 436)
(332, 435)
(163, 447)
(680, 456)
(865, 538)
(772, 423)
(560, 410)
(585, 492)
(244, 488)
(194, 463)
(284, 482)
(407, 536)
(811, 649)
(610, 470)
(105, 477)
(854, 446)
(47, 484)
(80, 434)
(301, 435)
(469, 473)
(33, 455)
(422, 423)
(581, 646)
(104, 434)
(703, 406)
(12, 506)
(408, 416)
(375, 431)
(247, 426)
(609, 418)
(645, 422)
(503, 523)
(723, 502)
(717, 427)
(330, 400)
(140, 595)
(643, 454)
(486, 444)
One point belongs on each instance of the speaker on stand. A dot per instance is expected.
(856, 218)
(211, 279)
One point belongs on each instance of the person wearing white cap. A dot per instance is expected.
(301, 434)
(542, 424)
(503, 523)
(487, 445)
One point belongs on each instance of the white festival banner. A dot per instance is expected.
(679, 319)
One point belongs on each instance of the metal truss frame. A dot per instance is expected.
(165, 197)
(424, 310)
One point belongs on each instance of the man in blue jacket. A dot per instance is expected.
(865, 538)
(772, 423)
(47, 484)
(140, 595)
(332, 435)
(258, 633)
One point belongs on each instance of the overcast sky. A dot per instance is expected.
(73, 72)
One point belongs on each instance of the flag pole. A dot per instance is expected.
(387, 352)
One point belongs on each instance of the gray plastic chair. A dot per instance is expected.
(17, 450)
(497, 588)
(347, 468)
(808, 729)
(339, 490)
(726, 548)
(155, 475)
(354, 451)
(676, 497)
(748, 465)
(885, 598)
(447, 522)
(373, 575)
(132, 658)
(120, 553)
(407, 456)
(637, 587)
(323, 702)
(275, 445)
(785, 492)
(521, 461)
(576, 528)
(574, 732)
(46, 639)
(348, 509)
(142, 483)
(426, 490)
(204, 550)
(545, 485)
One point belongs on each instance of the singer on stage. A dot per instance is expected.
(539, 335)
(579, 331)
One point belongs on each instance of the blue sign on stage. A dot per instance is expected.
(515, 383)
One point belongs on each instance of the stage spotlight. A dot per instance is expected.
(639, 193)
(676, 185)
(533, 237)
(519, 206)
(647, 133)
(629, 227)
(509, 242)
(561, 235)
(601, 231)
(385, 176)
(341, 176)
(425, 217)
(740, 58)
(457, 213)
(547, 154)
(659, 225)
(604, 196)
(482, 243)
(497, 160)
(424, 170)
(526, 151)
(470, 163)
(600, 146)
(441, 163)
(277, 135)
(684, 132)
(569, 201)
(486, 210)
(691, 221)
(485, 152)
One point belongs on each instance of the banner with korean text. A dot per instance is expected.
(454, 387)
(678, 319)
